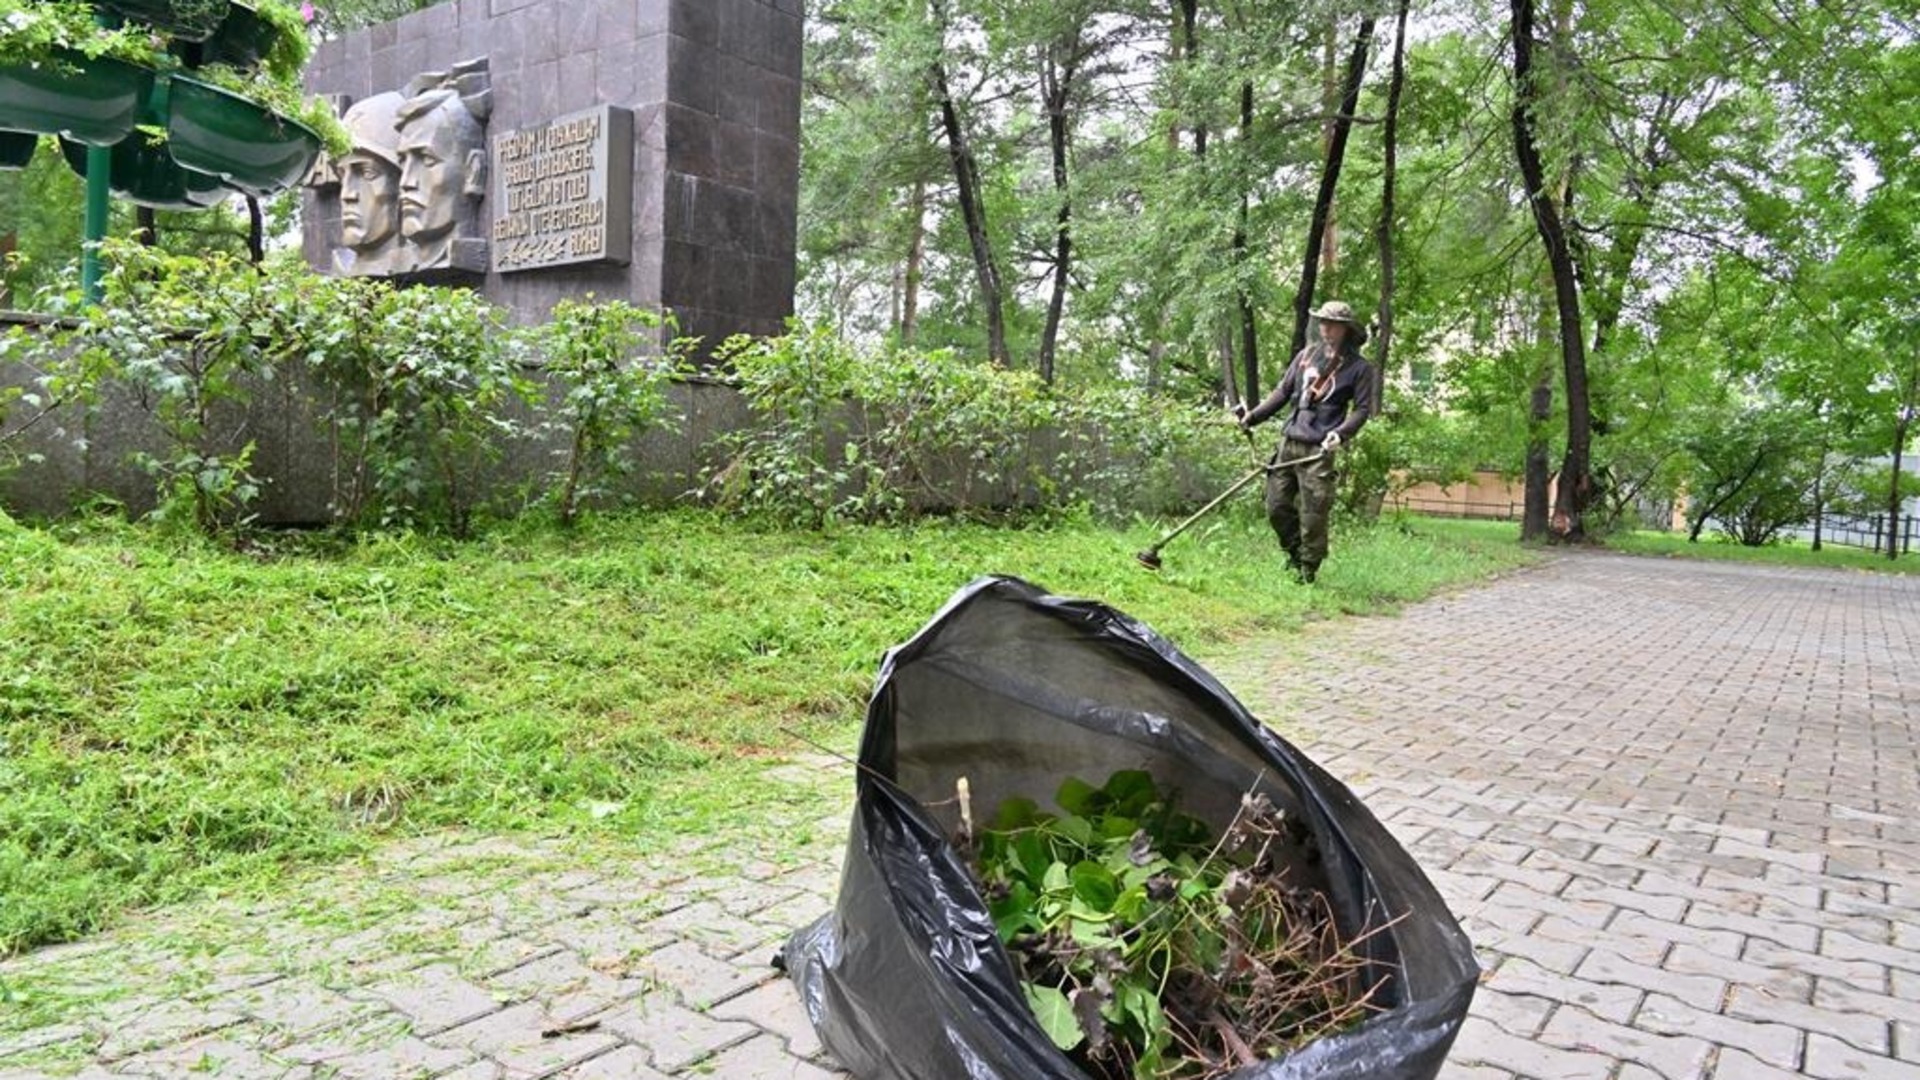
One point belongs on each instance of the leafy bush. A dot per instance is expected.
(35, 28)
(1860, 489)
(842, 434)
(423, 390)
(433, 412)
(1127, 451)
(606, 391)
(184, 334)
(55, 380)
(1410, 443)
(874, 436)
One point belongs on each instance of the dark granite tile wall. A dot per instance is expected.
(715, 90)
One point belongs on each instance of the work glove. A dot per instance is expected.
(1239, 412)
(1331, 442)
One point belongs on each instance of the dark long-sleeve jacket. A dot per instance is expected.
(1345, 408)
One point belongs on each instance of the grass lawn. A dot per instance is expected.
(1674, 545)
(1785, 553)
(180, 720)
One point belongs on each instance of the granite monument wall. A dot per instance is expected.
(708, 195)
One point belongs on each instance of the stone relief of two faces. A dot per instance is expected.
(410, 187)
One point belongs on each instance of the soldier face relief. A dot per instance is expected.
(440, 148)
(409, 192)
(369, 201)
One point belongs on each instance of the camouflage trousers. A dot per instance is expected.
(1299, 501)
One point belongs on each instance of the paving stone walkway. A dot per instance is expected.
(1677, 806)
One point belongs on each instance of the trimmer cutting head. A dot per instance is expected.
(1148, 559)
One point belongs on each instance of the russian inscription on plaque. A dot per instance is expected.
(563, 192)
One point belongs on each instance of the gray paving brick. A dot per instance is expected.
(1672, 1057)
(1754, 836)
(525, 1041)
(1788, 935)
(1783, 982)
(608, 936)
(1776, 1044)
(1779, 883)
(816, 878)
(1865, 1032)
(763, 1058)
(1632, 924)
(1668, 881)
(620, 1063)
(698, 978)
(564, 986)
(436, 998)
(712, 927)
(1810, 861)
(1869, 929)
(1860, 974)
(1454, 1071)
(1670, 908)
(1831, 1059)
(1481, 1043)
(1843, 946)
(802, 909)
(776, 1007)
(361, 1054)
(495, 955)
(1604, 966)
(1734, 1064)
(1609, 1001)
(1511, 897)
(1516, 1014)
(162, 1023)
(1831, 994)
(294, 1010)
(746, 898)
(36, 1038)
(673, 1036)
(1548, 952)
(234, 1051)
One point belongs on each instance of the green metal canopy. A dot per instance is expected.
(92, 100)
(225, 135)
(108, 115)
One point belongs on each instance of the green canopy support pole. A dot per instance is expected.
(98, 163)
(99, 166)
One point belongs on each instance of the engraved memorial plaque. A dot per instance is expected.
(563, 192)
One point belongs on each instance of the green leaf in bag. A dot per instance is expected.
(1055, 1014)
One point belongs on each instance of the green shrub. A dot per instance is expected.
(606, 390)
(183, 333)
(55, 379)
(845, 434)
(1127, 452)
(447, 373)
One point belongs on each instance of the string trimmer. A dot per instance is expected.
(1150, 558)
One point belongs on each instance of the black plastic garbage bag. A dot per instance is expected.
(1015, 690)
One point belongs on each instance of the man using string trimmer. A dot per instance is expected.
(1330, 389)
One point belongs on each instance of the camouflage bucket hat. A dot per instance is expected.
(1336, 311)
(1339, 311)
